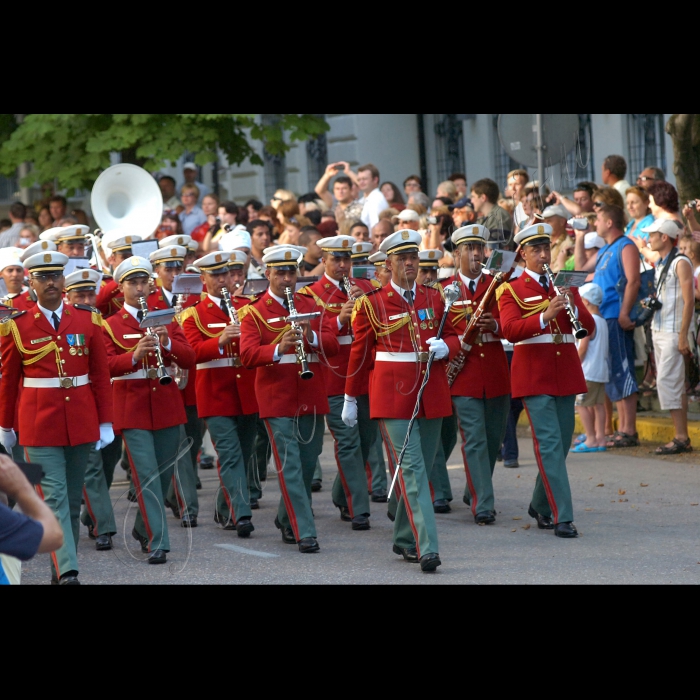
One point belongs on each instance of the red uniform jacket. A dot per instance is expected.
(109, 299)
(540, 368)
(20, 301)
(280, 391)
(157, 300)
(221, 391)
(485, 373)
(31, 347)
(384, 322)
(144, 404)
(330, 300)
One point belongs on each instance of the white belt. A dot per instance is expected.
(345, 340)
(401, 357)
(291, 359)
(56, 382)
(222, 362)
(138, 374)
(549, 338)
(485, 338)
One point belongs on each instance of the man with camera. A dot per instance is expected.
(672, 309)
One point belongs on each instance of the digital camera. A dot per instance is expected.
(649, 305)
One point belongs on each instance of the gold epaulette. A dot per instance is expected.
(5, 328)
(243, 312)
(96, 318)
(306, 291)
(186, 313)
(376, 283)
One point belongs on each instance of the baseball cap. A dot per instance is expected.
(592, 293)
(407, 215)
(670, 227)
(593, 240)
(189, 166)
(460, 204)
(556, 210)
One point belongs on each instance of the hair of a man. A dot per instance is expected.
(372, 169)
(614, 214)
(617, 165)
(486, 187)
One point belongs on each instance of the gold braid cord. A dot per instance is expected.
(380, 329)
(319, 302)
(530, 308)
(115, 341)
(258, 316)
(191, 312)
(39, 354)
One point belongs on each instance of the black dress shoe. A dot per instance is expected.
(287, 532)
(207, 462)
(485, 518)
(441, 506)
(430, 562)
(466, 500)
(408, 553)
(244, 527)
(173, 507)
(91, 531)
(199, 485)
(157, 557)
(254, 505)
(360, 522)
(308, 545)
(69, 580)
(344, 513)
(226, 523)
(379, 496)
(188, 520)
(316, 485)
(567, 530)
(103, 543)
(131, 496)
(390, 516)
(544, 522)
(143, 541)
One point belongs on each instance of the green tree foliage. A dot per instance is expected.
(685, 132)
(72, 149)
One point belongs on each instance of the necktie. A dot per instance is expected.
(224, 306)
(139, 315)
(543, 282)
(408, 294)
(472, 286)
(55, 320)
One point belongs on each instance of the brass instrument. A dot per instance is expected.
(232, 313)
(579, 330)
(161, 374)
(181, 376)
(293, 320)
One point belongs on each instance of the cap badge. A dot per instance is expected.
(128, 240)
(540, 229)
(44, 245)
(432, 254)
(173, 252)
(404, 235)
(179, 240)
(218, 258)
(47, 258)
(134, 261)
(288, 255)
(345, 244)
(86, 275)
(475, 230)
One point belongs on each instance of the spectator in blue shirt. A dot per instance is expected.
(640, 218)
(192, 215)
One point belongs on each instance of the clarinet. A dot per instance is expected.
(347, 287)
(232, 313)
(161, 374)
(305, 373)
(579, 330)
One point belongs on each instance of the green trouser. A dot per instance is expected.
(391, 458)
(318, 474)
(194, 429)
(152, 455)
(256, 461)
(440, 479)
(552, 424)
(371, 444)
(296, 446)
(183, 488)
(482, 423)
(62, 488)
(350, 485)
(110, 457)
(98, 510)
(415, 519)
(233, 438)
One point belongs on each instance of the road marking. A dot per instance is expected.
(243, 550)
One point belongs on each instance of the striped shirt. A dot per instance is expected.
(668, 318)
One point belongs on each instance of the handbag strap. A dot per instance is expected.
(662, 277)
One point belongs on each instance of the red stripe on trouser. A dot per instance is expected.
(180, 499)
(346, 488)
(540, 466)
(283, 486)
(470, 483)
(139, 496)
(389, 447)
(54, 559)
(91, 513)
(432, 491)
(409, 512)
(368, 473)
(227, 495)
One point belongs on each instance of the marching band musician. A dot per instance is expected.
(12, 273)
(56, 351)
(27, 300)
(69, 240)
(546, 373)
(428, 266)
(330, 294)
(109, 299)
(381, 273)
(292, 407)
(395, 327)
(147, 414)
(225, 389)
(98, 515)
(481, 389)
(168, 263)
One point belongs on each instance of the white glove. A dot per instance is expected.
(8, 439)
(106, 436)
(439, 347)
(349, 414)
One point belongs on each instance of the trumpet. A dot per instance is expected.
(579, 330)
(293, 319)
(161, 374)
(232, 313)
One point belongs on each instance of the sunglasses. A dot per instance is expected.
(54, 276)
(644, 178)
(598, 204)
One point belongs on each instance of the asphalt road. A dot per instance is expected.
(638, 517)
